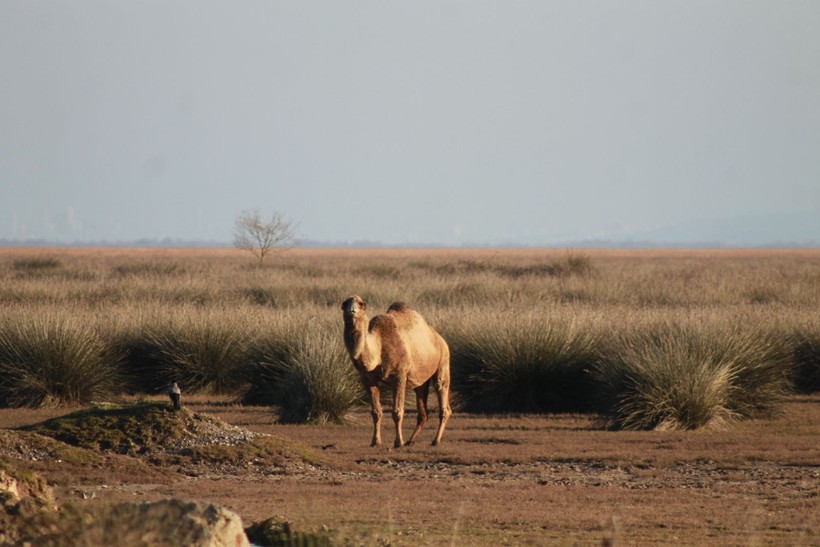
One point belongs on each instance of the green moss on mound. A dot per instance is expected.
(134, 429)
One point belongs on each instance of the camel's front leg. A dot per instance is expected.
(399, 387)
(376, 412)
(421, 408)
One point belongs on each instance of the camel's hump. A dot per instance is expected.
(398, 306)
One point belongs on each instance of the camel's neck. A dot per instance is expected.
(364, 348)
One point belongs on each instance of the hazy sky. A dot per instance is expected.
(443, 122)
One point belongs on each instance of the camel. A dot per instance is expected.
(398, 349)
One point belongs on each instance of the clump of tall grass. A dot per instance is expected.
(33, 268)
(379, 271)
(53, 360)
(522, 364)
(458, 268)
(571, 265)
(149, 269)
(806, 371)
(691, 375)
(204, 353)
(124, 331)
(455, 294)
(763, 296)
(261, 296)
(296, 294)
(36, 264)
(307, 373)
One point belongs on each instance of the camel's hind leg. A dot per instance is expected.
(421, 409)
(444, 410)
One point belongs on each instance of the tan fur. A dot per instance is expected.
(401, 350)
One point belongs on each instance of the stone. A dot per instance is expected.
(163, 523)
(172, 522)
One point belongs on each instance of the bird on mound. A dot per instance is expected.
(174, 393)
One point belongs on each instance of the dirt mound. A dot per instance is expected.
(141, 429)
(28, 446)
(194, 443)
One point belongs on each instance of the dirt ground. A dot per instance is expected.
(531, 480)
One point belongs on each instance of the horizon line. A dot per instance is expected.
(181, 243)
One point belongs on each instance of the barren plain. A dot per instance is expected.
(515, 480)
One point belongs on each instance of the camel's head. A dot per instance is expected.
(353, 307)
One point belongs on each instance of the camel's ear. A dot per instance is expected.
(364, 305)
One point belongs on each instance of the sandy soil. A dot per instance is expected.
(540, 480)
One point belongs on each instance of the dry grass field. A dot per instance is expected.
(567, 433)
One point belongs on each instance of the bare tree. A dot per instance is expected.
(259, 237)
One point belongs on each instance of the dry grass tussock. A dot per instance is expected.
(692, 375)
(530, 330)
(49, 358)
(305, 371)
(521, 362)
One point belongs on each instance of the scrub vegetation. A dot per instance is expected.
(653, 339)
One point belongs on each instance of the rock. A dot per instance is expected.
(21, 490)
(21, 496)
(174, 522)
(9, 493)
(164, 523)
